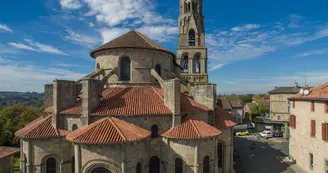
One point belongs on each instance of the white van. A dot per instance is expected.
(266, 134)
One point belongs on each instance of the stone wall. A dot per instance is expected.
(68, 121)
(6, 164)
(48, 95)
(301, 144)
(279, 106)
(226, 138)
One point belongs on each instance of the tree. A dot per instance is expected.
(258, 109)
(13, 118)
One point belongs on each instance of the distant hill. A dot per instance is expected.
(27, 98)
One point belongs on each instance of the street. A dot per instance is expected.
(263, 158)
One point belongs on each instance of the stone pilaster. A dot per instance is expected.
(77, 151)
(196, 163)
(29, 161)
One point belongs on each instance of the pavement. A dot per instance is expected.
(264, 158)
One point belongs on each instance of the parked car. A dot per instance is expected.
(235, 131)
(278, 134)
(242, 133)
(266, 134)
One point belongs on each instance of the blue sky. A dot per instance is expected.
(253, 45)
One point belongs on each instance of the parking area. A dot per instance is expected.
(264, 158)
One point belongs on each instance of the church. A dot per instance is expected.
(143, 109)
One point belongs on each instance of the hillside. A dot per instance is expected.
(27, 98)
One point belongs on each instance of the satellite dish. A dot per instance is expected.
(306, 92)
(302, 91)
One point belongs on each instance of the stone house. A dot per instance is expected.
(134, 113)
(233, 107)
(6, 159)
(308, 141)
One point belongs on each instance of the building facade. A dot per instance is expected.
(234, 107)
(130, 115)
(308, 142)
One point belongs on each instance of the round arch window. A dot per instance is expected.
(100, 170)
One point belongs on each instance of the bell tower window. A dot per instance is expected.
(191, 39)
(188, 7)
(125, 68)
(197, 64)
(185, 64)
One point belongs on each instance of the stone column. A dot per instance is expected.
(196, 163)
(190, 65)
(202, 65)
(29, 157)
(123, 159)
(77, 151)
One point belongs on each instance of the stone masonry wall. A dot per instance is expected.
(279, 106)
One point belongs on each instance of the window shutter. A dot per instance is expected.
(291, 120)
(326, 108)
(323, 131)
(312, 106)
(294, 122)
(313, 128)
(293, 103)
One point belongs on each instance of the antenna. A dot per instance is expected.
(305, 74)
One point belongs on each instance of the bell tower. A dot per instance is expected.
(192, 53)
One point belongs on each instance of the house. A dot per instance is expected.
(235, 108)
(308, 141)
(6, 159)
(247, 112)
(131, 115)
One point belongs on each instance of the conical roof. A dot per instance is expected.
(108, 131)
(132, 39)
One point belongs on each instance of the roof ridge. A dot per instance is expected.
(195, 127)
(119, 131)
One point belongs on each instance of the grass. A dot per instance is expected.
(16, 164)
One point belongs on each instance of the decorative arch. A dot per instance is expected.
(50, 164)
(191, 37)
(125, 68)
(154, 131)
(109, 165)
(206, 164)
(154, 165)
(74, 127)
(178, 165)
(197, 66)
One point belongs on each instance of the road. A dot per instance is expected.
(262, 159)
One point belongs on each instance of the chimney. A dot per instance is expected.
(48, 95)
(91, 94)
(64, 95)
(172, 99)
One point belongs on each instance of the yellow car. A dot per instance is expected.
(242, 133)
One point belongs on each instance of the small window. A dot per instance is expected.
(178, 165)
(206, 165)
(125, 69)
(98, 66)
(154, 131)
(74, 127)
(51, 165)
(73, 164)
(197, 64)
(220, 155)
(311, 161)
(191, 39)
(312, 106)
(158, 69)
(324, 131)
(312, 128)
(138, 168)
(278, 117)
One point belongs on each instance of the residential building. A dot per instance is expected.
(130, 115)
(234, 107)
(6, 159)
(308, 141)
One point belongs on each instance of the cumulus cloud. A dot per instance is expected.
(109, 34)
(80, 39)
(160, 33)
(70, 4)
(5, 28)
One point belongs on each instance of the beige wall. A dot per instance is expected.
(279, 106)
(301, 144)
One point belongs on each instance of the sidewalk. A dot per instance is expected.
(291, 164)
(279, 140)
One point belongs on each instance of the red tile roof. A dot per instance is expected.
(317, 92)
(40, 128)
(136, 101)
(6, 151)
(191, 129)
(223, 118)
(132, 39)
(108, 130)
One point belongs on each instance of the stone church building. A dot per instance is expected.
(142, 110)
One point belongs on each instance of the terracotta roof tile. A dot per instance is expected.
(6, 151)
(108, 130)
(191, 129)
(132, 39)
(317, 92)
(235, 104)
(74, 109)
(49, 109)
(223, 118)
(40, 128)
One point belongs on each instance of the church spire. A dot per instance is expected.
(192, 53)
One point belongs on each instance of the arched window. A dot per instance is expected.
(51, 165)
(158, 69)
(154, 131)
(154, 165)
(98, 66)
(188, 6)
(191, 39)
(138, 168)
(197, 64)
(178, 165)
(220, 155)
(193, 7)
(185, 64)
(74, 127)
(73, 164)
(125, 68)
(185, 7)
(196, 7)
(206, 164)
(100, 170)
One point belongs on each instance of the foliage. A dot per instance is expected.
(247, 98)
(258, 109)
(26, 98)
(13, 118)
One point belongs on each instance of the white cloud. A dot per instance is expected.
(44, 48)
(159, 33)
(22, 46)
(213, 66)
(294, 21)
(5, 28)
(80, 39)
(313, 52)
(109, 34)
(245, 27)
(67, 65)
(70, 4)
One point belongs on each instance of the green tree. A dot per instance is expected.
(13, 118)
(258, 109)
